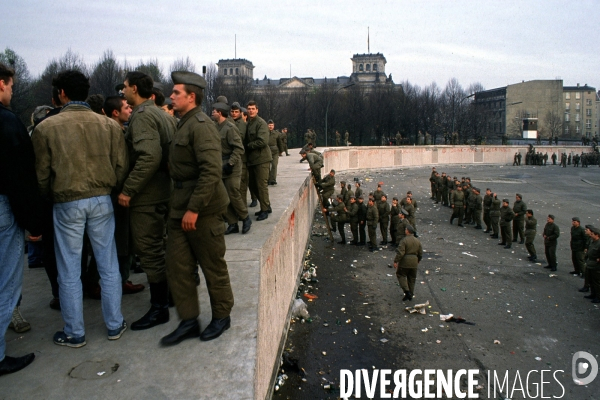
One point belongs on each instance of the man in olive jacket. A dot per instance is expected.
(530, 231)
(506, 216)
(259, 159)
(372, 220)
(147, 189)
(551, 234)
(383, 208)
(195, 226)
(457, 202)
(519, 208)
(495, 216)
(578, 244)
(592, 265)
(408, 257)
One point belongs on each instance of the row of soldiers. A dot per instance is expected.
(518, 224)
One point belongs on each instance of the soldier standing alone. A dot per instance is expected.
(408, 257)
(551, 234)
(519, 208)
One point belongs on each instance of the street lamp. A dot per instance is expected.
(329, 102)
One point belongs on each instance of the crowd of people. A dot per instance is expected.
(95, 184)
(518, 225)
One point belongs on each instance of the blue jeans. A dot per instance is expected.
(95, 216)
(35, 253)
(12, 242)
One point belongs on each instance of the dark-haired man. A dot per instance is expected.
(198, 201)
(147, 189)
(530, 231)
(80, 158)
(578, 245)
(259, 159)
(551, 235)
(20, 208)
(276, 147)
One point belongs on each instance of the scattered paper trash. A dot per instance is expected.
(100, 373)
(446, 317)
(469, 254)
(538, 358)
(424, 330)
(355, 331)
(384, 340)
(418, 308)
(496, 341)
(438, 341)
(310, 296)
(300, 310)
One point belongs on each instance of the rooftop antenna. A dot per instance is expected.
(235, 46)
(368, 42)
(290, 71)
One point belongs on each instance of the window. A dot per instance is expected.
(588, 102)
(577, 129)
(568, 96)
(368, 67)
(225, 71)
(577, 106)
(374, 67)
(230, 71)
(577, 117)
(567, 117)
(237, 72)
(567, 130)
(588, 112)
(360, 67)
(577, 95)
(567, 107)
(588, 123)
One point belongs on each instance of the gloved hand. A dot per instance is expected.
(227, 169)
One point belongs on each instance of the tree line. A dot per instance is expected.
(371, 115)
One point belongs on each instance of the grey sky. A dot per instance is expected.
(492, 42)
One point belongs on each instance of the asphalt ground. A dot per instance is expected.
(525, 318)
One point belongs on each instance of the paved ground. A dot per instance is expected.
(539, 320)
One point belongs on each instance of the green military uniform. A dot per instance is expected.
(358, 192)
(283, 137)
(340, 218)
(403, 203)
(457, 200)
(383, 209)
(439, 182)
(348, 195)
(487, 205)
(343, 190)
(372, 220)
(338, 138)
(240, 124)
(530, 231)
(477, 207)
(394, 219)
(276, 147)
(327, 185)
(551, 234)
(495, 216)
(592, 268)
(411, 210)
(308, 137)
(232, 151)
(468, 210)
(196, 167)
(400, 227)
(347, 138)
(377, 194)
(148, 184)
(316, 163)
(432, 181)
(519, 208)
(259, 159)
(362, 222)
(506, 216)
(353, 218)
(578, 244)
(445, 190)
(408, 256)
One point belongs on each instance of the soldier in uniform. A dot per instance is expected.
(276, 147)
(232, 150)
(444, 189)
(553, 158)
(439, 181)
(353, 219)
(343, 189)
(394, 219)
(347, 138)
(403, 202)
(401, 225)
(147, 189)
(551, 234)
(519, 209)
(372, 220)
(408, 257)
(315, 162)
(378, 194)
(487, 205)
(327, 187)
(506, 216)
(578, 244)
(307, 136)
(530, 231)
(236, 114)
(398, 139)
(457, 202)
(432, 181)
(196, 229)
(411, 216)
(284, 137)
(338, 138)
(340, 217)
(383, 209)
(259, 159)
(495, 216)
(477, 207)
(592, 265)
(362, 221)
(358, 192)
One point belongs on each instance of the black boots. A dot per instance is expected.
(159, 309)
(232, 228)
(407, 296)
(187, 329)
(246, 224)
(215, 328)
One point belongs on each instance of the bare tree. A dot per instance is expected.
(106, 74)
(553, 124)
(21, 102)
(152, 68)
(182, 64)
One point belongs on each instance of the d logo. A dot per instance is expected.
(581, 368)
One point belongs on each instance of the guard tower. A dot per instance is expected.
(235, 68)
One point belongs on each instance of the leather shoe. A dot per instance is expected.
(573, 273)
(341, 242)
(494, 236)
(232, 228)
(584, 289)
(521, 241)
(262, 216)
(589, 296)
(187, 329)
(246, 224)
(254, 203)
(55, 304)
(215, 328)
(547, 267)
(461, 225)
(130, 288)
(502, 244)
(266, 211)
(407, 296)
(507, 246)
(154, 316)
(14, 364)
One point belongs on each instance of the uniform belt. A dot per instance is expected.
(184, 184)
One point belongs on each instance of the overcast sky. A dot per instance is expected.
(492, 42)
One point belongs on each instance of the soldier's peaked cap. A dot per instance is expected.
(551, 216)
(576, 219)
(222, 99)
(236, 106)
(188, 78)
(159, 86)
(505, 201)
(595, 230)
(219, 106)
